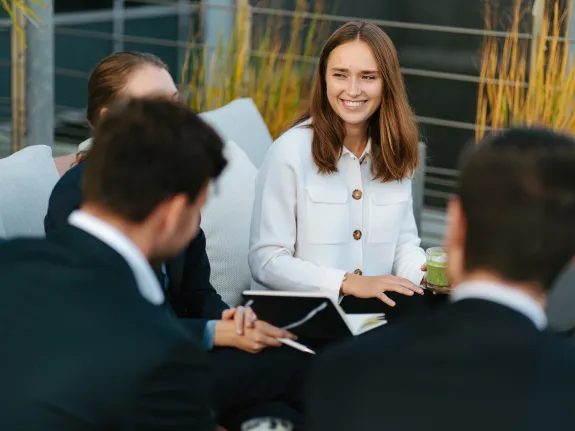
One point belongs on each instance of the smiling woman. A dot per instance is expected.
(333, 209)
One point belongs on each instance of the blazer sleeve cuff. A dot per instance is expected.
(209, 335)
(332, 283)
(415, 274)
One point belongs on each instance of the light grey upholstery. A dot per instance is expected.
(418, 186)
(27, 178)
(561, 303)
(241, 122)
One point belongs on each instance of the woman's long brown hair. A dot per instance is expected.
(107, 81)
(392, 128)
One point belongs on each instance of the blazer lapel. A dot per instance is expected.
(175, 271)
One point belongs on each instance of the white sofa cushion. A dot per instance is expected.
(226, 223)
(561, 301)
(238, 121)
(241, 122)
(27, 178)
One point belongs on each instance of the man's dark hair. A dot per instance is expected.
(517, 191)
(146, 151)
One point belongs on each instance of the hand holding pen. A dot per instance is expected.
(240, 328)
(289, 340)
(243, 316)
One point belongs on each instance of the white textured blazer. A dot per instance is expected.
(309, 229)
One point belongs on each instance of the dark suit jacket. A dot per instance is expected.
(81, 349)
(190, 292)
(475, 365)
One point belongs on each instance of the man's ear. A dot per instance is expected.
(456, 223)
(455, 238)
(103, 112)
(173, 209)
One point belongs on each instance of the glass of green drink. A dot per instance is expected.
(436, 278)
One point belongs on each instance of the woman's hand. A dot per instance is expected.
(424, 269)
(375, 286)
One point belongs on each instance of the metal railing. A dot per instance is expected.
(174, 8)
(157, 8)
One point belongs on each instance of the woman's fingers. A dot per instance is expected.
(386, 299)
(405, 283)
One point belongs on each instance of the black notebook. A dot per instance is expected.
(309, 314)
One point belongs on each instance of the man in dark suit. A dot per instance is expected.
(484, 361)
(185, 276)
(87, 342)
(270, 382)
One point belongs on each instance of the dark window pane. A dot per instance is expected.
(81, 5)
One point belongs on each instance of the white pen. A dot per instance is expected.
(296, 345)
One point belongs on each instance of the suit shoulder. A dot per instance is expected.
(561, 348)
(65, 198)
(13, 249)
(68, 188)
(72, 177)
(378, 343)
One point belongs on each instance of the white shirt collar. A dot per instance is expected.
(503, 295)
(147, 281)
(365, 153)
(85, 145)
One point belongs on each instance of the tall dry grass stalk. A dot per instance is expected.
(9, 5)
(272, 63)
(519, 90)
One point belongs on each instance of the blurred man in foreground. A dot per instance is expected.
(485, 361)
(87, 340)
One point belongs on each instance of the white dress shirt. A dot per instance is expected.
(503, 295)
(148, 283)
(309, 229)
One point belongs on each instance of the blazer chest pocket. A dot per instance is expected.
(327, 216)
(387, 210)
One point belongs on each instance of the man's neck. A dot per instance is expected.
(531, 289)
(135, 232)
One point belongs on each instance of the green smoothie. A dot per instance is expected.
(437, 274)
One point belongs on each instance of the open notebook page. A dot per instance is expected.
(360, 323)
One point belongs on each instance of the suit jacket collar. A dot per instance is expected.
(87, 246)
(85, 145)
(503, 295)
(108, 234)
